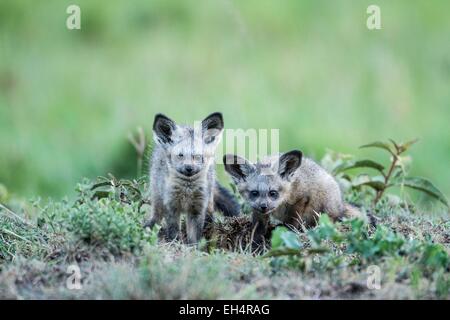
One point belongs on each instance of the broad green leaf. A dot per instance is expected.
(380, 145)
(376, 182)
(276, 239)
(377, 185)
(360, 164)
(435, 255)
(282, 237)
(424, 185)
(325, 230)
(101, 184)
(324, 220)
(290, 240)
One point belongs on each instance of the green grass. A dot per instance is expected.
(311, 69)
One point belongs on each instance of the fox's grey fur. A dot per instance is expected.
(293, 189)
(182, 176)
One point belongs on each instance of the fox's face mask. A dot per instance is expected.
(189, 149)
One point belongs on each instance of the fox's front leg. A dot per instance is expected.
(194, 225)
(260, 223)
(173, 223)
(157, 213)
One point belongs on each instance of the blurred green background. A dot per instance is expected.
(312, 69)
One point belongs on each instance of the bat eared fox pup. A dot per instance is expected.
(289, 187)
(182, 176)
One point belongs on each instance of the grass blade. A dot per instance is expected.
(360, 164)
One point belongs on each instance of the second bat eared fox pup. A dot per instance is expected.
(289, 187)
(182, 176)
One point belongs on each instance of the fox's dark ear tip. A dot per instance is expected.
(296, 153)
(216, 115)
(158, 117)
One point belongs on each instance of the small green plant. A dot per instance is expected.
(288, 250)
(108, 223)
(395, 174)
(123, 190)
(358, 239)
(332, 246)
(106, 214)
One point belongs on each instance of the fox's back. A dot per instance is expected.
(311, 190)
(311, 177)
(314, 184)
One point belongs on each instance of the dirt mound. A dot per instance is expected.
(229, 233)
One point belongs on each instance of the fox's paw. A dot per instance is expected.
(172, 233)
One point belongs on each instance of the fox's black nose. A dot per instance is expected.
(188, 169)
(263, 207)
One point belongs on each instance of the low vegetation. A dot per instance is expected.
(400, 251)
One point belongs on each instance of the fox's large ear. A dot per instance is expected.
(163, 129)
(238, 168)
(289, 162)
(212, 127)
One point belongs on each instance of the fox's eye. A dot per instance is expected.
(254, 193)
(198, 157)
(180, 155)
(273, 194)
